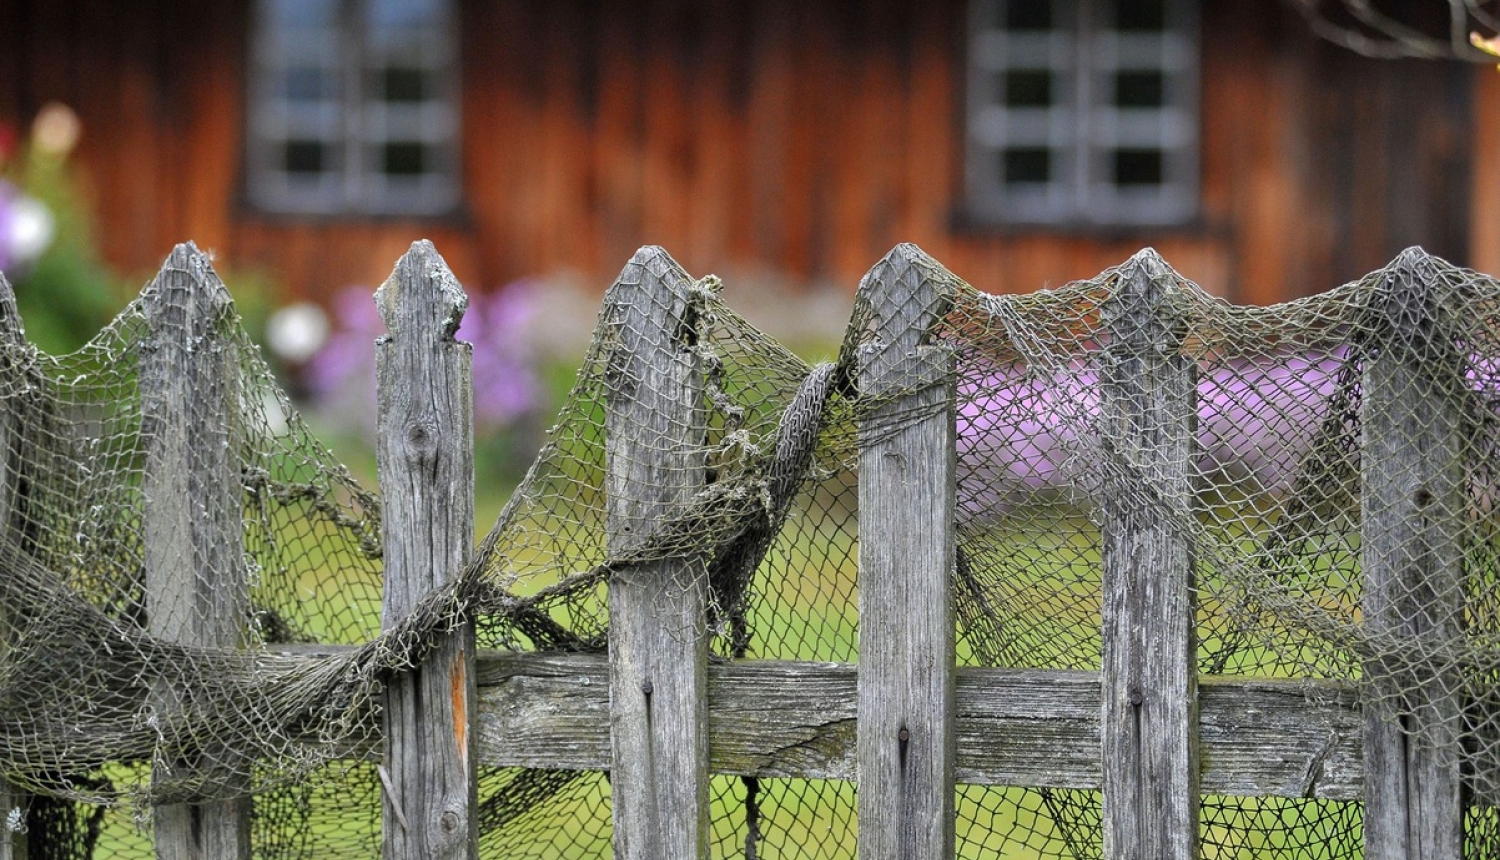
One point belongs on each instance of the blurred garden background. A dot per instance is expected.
(1269, 151)
(529, 335)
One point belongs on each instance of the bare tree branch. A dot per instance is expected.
(1358, 26)
(1484, 18)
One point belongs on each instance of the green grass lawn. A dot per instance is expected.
(806, 608)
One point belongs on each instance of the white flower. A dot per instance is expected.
(28, 230)
(297, 331)
(55, 129)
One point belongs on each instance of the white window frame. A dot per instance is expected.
(1082, 128)
(352, 121)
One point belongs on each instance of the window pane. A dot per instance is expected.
(301, 14)
(388, 15)
(1140, 89)
(1137, 15)
(1027, 15)
(1026, 165)
(1082, 111)
(1028, 88)
(308, 84)
(305, 156)
(1137, 167)
(403, 158)
(403, 84)
(412, 31)
(354, 106)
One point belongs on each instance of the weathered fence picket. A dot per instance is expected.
(425, 451)
(1412, 558)
(197, 590)
(907, 474)
(658, 649)
(905, 722)
(1149, 674)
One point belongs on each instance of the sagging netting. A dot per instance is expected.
(1305, 422)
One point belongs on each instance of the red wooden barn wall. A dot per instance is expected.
(793, 138)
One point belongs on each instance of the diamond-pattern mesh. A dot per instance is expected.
(1337, 499)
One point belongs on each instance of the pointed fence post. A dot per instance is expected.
(907, 490)
(658, 645)
(1150, 697)
(14, 510)
(197, 588)
(1412, 510)
(425, 451)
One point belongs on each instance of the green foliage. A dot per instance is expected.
(67, 294)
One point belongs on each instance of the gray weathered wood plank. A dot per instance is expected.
(197, 588)
(1150, 707)
(426, 463)
(1412, 510)
(1032, 728)
(658, 648)
(907, 475)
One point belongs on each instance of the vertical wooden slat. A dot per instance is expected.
(1150, 699)
(1412, 509)
(425, 453)
(196, 584)
(658, 649)
(907, 467)
(14, 514)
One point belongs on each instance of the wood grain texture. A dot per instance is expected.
(1150, 705)
(425, 453)
(197, 590)
(1033, 728)
(907, 466)
(1412, 556)
(800, 140)
(658, 646)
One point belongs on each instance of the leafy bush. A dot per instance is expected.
(47, 236)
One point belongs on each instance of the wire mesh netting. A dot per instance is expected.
(191, 589)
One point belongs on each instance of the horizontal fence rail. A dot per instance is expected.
(1027, 728)
(1387, 703)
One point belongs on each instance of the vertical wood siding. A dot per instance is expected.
(796, 139)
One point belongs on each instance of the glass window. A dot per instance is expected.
(353, 107)
(1082, 111)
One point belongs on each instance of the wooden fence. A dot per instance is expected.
(904, 722)
(908, 725)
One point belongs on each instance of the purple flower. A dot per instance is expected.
(505, 380)
(1021, 433)
(348, 356)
